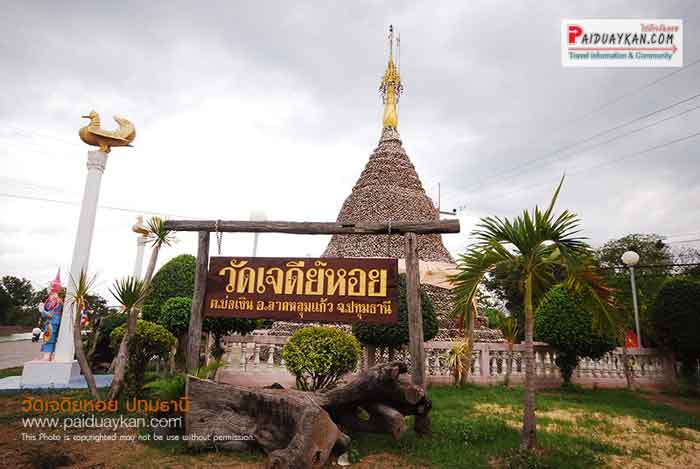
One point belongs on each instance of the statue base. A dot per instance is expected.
(39, 373)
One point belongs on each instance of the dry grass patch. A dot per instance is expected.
(643, 443)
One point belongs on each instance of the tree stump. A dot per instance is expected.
(302, 429)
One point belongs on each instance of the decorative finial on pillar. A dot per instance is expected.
(94, 135)
(139, 227)
(391, 87)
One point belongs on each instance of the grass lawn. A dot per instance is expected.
(477, 426)
(473, 427)
(16, 371)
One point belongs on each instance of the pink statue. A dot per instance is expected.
(51, 312)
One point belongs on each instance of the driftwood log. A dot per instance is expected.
(301, 429)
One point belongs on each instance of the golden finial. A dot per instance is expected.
(139, 227)
(391, 86)
(93, 134)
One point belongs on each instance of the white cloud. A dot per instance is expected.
(243, 107)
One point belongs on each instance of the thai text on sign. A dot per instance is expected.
(303, 289)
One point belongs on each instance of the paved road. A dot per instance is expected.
(17, 352)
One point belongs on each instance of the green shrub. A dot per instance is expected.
(565, 325)
(397, 335)
(175, 278)
(675, 315)
(319, 356)
(175, 315)
(167, 389)
(220, 327)
(150, 341)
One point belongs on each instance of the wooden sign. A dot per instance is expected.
(304, 289)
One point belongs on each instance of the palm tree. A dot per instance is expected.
(129, 293)
(159, 236)
(79, 295)
(543, 249)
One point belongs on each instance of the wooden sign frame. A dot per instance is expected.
(407, 229)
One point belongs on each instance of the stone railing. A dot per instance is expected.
(489, 362)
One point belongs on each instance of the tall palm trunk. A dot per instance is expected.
(151, 264)
(95, 340)
(528, 437)
(120, 361)
(470, 335)
(80, 354)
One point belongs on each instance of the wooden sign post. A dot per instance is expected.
(416, 345)
(409, 229)
(194, 334)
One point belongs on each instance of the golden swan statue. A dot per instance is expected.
(94, 135)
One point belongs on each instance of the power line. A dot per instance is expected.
(33, 133)
(548, 156)
(33, 186)
(633, 92)
(608, 162)
(105, 207)
(618, 137)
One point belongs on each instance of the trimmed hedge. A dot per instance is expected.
(151, 340)
(175, 315)
(562, 323)
(175, 278)
(397, 335)
(319, 356)
(675, 315)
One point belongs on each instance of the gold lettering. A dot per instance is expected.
(376, 276)
(246, 280)
(231, 272)
(294, 278)
(274, 277)
(336, 282)
(314, 279)
(357, 282)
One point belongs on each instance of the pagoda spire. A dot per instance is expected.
(391, 87)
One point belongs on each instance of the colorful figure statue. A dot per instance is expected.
(51, 312)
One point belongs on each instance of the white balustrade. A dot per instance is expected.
(243, 358)
(271, 356)
(489, 361)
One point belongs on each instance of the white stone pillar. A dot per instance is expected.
(96, 163)
(63, 367)
(138, 266)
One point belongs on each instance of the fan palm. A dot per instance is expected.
(158, 236)
(129, 293)
(542, 248)
(79, 294)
